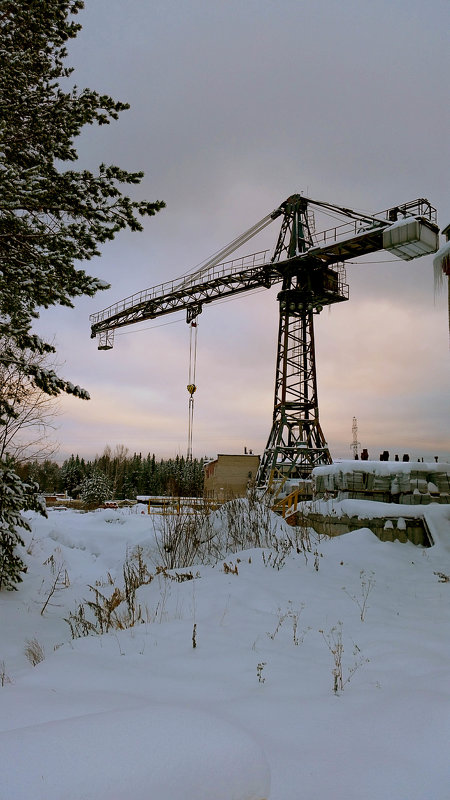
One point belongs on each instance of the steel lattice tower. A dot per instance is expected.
(296, 442)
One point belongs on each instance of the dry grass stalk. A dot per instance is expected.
(34, 651)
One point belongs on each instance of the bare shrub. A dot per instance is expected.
(367, 584)
(184, 538)
(178, 577)
(177, 539)
(248, 522)
(333, 640)
(60, 577)
(293, 616)
(78, 623)
(442, 577)
(135, 571)
(301, 539)
(259, 671)
(34, 651)
(24, 434)
(4, 677)
(117, 608)
(231, 569)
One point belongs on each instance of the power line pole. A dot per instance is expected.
(355, 445)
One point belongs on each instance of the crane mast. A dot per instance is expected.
(296, 443)
(310, 266)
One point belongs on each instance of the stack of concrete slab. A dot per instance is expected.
(425, 487)
(416, 483)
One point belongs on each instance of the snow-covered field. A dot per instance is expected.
(250, 712)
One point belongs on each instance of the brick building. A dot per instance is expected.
(230, 475)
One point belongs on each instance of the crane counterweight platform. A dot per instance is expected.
(309, 266)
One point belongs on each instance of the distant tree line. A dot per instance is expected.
(127, 476)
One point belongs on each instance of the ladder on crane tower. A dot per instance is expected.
(310, 267)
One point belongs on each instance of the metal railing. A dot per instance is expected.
(419, 208)
(164, 506)
(218, 271)
(287, 506)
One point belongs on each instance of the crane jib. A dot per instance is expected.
(361, 236)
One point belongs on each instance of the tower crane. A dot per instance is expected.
(309, 267)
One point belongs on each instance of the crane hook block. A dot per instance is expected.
(191, 388)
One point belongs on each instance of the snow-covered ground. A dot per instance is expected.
(250, 712)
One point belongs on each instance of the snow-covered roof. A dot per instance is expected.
(382, 467)
(401, 222)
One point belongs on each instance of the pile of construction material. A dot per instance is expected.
(411, 483)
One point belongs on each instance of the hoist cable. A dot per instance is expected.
(191, 385)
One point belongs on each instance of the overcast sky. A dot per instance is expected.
(235, 105)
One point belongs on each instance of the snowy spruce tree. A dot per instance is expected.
(51, 217)
(14, 496)
(72, 473)
(95, 488)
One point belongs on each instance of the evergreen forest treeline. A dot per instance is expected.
(128, 476)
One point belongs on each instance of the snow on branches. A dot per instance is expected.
(51, 218)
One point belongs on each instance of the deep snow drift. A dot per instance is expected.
(251, 711)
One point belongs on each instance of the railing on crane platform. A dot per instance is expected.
(418, 208)
(218, 271)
